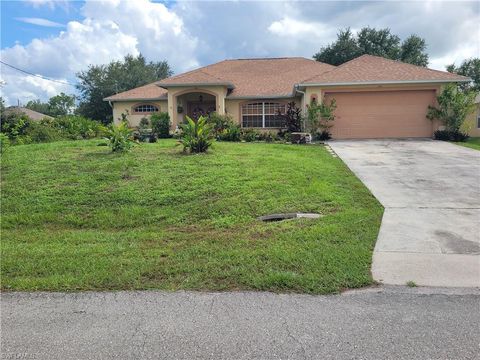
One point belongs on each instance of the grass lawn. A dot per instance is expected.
(77, 217)
(473, 143)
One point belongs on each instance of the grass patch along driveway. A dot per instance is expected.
(473, 143)
(76, 217)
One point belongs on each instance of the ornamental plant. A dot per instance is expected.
(321, 116)
(119, 137)
(197, 136)
(453, 107)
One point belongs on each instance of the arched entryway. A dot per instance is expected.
(195, 104)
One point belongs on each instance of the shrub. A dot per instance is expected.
(220, 122)
(120, 137)
(14, 125)
(448, 135)
(267, 136)
(75, 127)
(4, 142)
(249, 135)
(453, 107)
(196, 136)
(144, 123)
(293, 117)
(161, 125)
(321, 116)
(323, 135)
(40, 133)
(230, 133)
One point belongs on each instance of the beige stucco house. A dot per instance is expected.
(375, 97)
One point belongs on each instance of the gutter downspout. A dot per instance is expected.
(304, 104)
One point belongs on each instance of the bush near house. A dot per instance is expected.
(453, 108)
(320, 118)
(161, 125)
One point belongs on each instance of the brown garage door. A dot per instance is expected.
(382, 114)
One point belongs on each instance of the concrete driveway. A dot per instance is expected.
(430, 232)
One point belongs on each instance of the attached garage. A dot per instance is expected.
(382, 114)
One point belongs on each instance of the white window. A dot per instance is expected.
(263, 115)
(145, 108)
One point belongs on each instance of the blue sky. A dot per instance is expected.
(58, 38)
(15, 29)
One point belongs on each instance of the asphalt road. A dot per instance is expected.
(378, 323)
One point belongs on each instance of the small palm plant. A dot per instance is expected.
(196, 136)
(120, 137)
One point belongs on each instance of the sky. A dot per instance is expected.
(57, 39)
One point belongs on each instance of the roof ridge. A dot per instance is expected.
(340, 67)
(194, 70)
(404, 63)
(269, 58)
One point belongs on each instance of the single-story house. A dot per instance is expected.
(34, 115)
(375, 97)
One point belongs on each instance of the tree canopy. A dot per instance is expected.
(470, 68)
(373, 42)
(57, 105)
(101, 81)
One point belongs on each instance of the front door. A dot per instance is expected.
(197, 109)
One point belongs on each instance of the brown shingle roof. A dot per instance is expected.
(276, 77)
(368, 68)
(145, 92)
(254, 77)
(34, 115)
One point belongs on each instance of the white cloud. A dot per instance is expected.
(50, 3)
(189, 34)
(27, 88)
(296, 28)
(110, 30)
(39, 22)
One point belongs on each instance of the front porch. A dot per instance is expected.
(194, 102)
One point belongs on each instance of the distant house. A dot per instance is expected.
(375, 97)
(34, 115)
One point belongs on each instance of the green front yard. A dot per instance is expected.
(473, 143)
(77, 217)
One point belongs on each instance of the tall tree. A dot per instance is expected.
(373, 42)
(378, 42)
(101, 81)
(413, 51)
(470, 68)
(61, 104)
(38, 106)
(343, 50)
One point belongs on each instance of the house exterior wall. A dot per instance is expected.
(120, 107)
(471, 123)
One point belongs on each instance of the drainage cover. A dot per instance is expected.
(286, 216)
